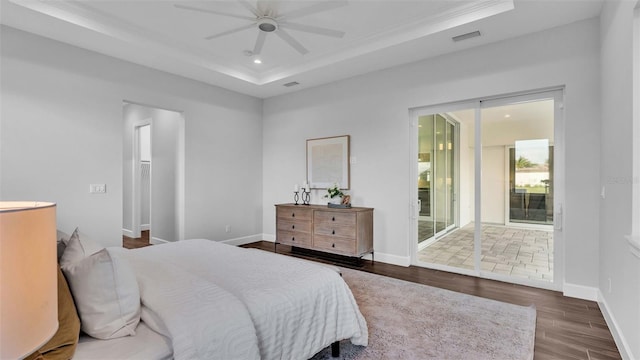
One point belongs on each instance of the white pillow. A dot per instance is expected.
(106, 294)
(78, 247)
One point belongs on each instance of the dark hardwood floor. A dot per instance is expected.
(133, 243)
(566, 328)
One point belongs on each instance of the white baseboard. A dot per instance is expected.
(157, 241)
(145, 227)
(127, 232)
(389, 259)
(243, 240)
(618, 337)
(269, 237)
(580, 291)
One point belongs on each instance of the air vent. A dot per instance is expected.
(466, 36)
(290, 84)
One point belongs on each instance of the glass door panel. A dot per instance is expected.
(426, 229)
(450, 148)
(440, 175)
(438, 170)
(517, 189)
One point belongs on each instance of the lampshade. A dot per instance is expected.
(28, 277)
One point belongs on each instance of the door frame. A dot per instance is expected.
(180, 193)
(136, 186)
(556, 93)
(507, 194)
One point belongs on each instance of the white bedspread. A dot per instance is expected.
(296, 307)
(202, 320)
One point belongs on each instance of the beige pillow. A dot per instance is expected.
(63, 343)
(106, 294)
(79, 247)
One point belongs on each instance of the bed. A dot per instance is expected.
(200, 299)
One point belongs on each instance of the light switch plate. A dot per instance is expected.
(98, 188)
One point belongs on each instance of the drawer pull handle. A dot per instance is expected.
(333, 232)
(333, 218)
(293, 238)
(333, 245)
(293, 215)
(293, 226)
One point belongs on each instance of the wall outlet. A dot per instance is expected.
(98, 188)
(227, 228)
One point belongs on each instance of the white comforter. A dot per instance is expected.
(208, 296)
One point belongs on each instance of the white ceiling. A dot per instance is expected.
(377, 34)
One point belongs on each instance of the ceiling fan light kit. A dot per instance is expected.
(267, 23)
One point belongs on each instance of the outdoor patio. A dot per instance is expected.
(519, 252)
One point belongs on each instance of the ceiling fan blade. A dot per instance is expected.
(257, 49)
(186, 7)
(291, 41)
(319, 7)
(230, 31)
(313, 29)
(249, 7)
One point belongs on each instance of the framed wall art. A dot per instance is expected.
(328, 162)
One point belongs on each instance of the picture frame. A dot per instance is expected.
(328, 162)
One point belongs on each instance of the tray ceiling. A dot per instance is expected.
(171, 36)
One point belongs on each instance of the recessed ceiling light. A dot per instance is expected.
(507, 116)
(257, 61)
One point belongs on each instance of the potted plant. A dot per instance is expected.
(334, 194)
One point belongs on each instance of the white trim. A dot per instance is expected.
(127, 232)
(580, 291)
(145, 227)
(269, 237)
(618, 337)
(157, 241)
(390, 259)
(634, 237)
(243, 240)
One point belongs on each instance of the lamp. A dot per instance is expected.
(28, 277)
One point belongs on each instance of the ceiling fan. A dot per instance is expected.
(267, 20)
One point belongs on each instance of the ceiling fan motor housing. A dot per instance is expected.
(267, 24)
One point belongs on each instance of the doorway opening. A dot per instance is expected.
(153, 173)
(494, 211)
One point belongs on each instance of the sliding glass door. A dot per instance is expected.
(489, 176)
(436, 179)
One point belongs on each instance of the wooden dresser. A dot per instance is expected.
(346, 232)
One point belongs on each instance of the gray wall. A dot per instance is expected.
(374, 110)
(62, 129)
(616, 261)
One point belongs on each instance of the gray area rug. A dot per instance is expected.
(413, 321)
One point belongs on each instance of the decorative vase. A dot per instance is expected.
(335, 200)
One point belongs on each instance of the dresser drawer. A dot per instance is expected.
(294, 238)
(335, 244)
(294, 213)
(334, 223)
(297, 225)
